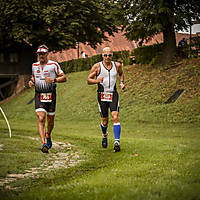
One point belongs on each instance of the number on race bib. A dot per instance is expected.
(46, 97)
(106, 96)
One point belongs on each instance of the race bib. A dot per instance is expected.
(106, 96)
(46, 97)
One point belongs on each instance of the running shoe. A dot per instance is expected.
(104, 142)
(116, 146)
(49, 142)
(45, 148)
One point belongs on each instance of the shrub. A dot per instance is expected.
(83, 64)
(148, 54)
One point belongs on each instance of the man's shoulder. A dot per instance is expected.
(95, 68)
(36, 64)
(53, 63)
(118, 64)
(96, 65)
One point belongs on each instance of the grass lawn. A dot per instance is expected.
(160, 153)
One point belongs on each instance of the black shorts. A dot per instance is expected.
(104, 105)
(48, 107)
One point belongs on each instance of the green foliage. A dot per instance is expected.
(195, 46)
(144, 19)
(58, 23)
(122, 56)
(148, 54)
(81, 64)
(84, 64)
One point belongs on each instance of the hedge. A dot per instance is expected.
(84, 64)
(148, 54)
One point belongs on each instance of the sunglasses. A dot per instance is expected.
(41, 53)
(107, 55)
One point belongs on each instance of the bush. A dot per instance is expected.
(122, 56)
(148, 54)
(84, 64)
(195, 47)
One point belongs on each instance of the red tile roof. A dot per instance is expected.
(118, 42)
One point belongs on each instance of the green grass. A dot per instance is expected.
(160, 154)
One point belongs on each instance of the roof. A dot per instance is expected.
(118, 42)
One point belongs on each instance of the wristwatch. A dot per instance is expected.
(54, 81)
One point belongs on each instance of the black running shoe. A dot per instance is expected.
(49, 142)
(116, 147)
(104, 142)
(45, 148)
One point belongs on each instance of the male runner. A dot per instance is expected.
(44, 78)
(106, 75)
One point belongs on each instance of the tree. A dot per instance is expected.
(57, 23)
(142, 19)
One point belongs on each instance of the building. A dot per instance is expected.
(15, 63)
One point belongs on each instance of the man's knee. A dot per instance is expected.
(115, 117)
(105, 121)
(41, 116)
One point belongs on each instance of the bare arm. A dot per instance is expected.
(62, 78)
(31, 83)
(94, 72)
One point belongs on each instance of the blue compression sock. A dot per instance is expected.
(104, 129)
(117, 131)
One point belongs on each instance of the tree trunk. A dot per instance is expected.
(169, 48)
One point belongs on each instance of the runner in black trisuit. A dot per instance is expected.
(44, 78)
(106, 76)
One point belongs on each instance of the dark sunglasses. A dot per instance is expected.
(107, 55)
(41, 53)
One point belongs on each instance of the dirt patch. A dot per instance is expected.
(61, 156)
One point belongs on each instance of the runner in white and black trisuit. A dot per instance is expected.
(44, 78)
(106, 76)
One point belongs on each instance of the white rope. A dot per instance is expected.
(6, 121)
